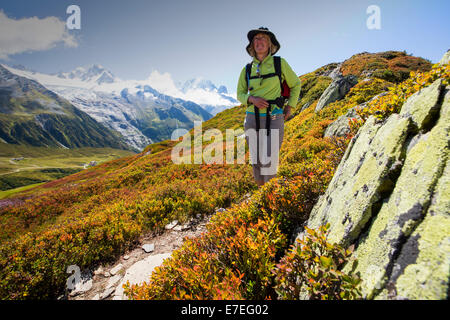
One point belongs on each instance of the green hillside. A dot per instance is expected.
(32, 115)
(93, 216)
(22, 165)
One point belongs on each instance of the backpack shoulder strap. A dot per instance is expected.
(277, 65)
(248, 70)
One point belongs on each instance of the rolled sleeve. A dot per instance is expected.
(292, 81)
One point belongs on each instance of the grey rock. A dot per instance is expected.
(359, 178)
(113, 281)
(336, 74)
(403, 211)
(140, 272)
(330, 70)
(446, 58)
(427, 277)
(183, 227)
(82, 287)
(149, 247)
(306, 105)
(116, 269)
(340, 127)
(390, 198)
(171, 225)
(99, 271)
(336, 91)
(105, 294)
(423, 105)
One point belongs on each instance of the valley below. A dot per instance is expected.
(25, 165)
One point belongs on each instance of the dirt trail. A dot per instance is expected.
(137, 265)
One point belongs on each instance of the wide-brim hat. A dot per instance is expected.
(254, 32)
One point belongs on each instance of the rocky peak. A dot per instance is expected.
(94, 72)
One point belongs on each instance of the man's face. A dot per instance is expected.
(261, 43)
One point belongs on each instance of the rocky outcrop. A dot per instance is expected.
(336, 90)
(446, 58)
(306, 105)
(332, 70)
(390, 198)
(340, 127)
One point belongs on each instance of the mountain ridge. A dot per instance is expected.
(123, 106)
(32, 114)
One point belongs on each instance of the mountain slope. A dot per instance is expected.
(95, 215)
(141, 114)
(33, 115)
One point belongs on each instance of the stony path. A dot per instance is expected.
(138, 264)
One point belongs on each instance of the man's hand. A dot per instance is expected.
(287, 112)
(258, 102)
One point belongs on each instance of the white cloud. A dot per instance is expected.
(206, 97)
(32, 34)
(164, 83)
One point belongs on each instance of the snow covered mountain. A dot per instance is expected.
(31, 114)
(205, 93)
(96, 73)
(142, 111)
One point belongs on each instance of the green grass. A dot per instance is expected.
(42, 164)
(11, 192)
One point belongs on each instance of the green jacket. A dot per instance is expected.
(268, 88)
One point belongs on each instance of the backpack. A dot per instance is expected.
(285, 90)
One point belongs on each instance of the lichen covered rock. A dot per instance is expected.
(390, 197)
(336, 91)
(366, 172)
(427, 277)
(423, 106)
(389, 246)
(340, 127)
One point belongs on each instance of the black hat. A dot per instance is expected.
(254, 32)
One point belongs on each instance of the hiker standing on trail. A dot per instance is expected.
(268, 88)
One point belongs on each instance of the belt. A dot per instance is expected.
(278, 102)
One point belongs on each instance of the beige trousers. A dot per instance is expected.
(264, 149)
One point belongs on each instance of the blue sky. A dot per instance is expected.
(192, 38)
